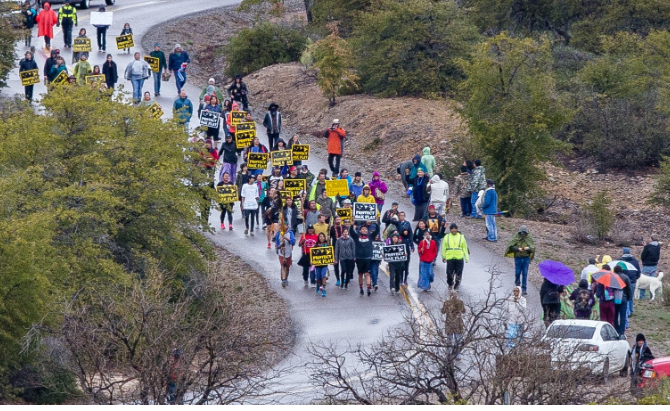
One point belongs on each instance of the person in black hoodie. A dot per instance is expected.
(28, 63)
(363, 241)
(651, 253)
(110, 72)
(228, 156)
(272, 123)
(639, 354)
(238, 92)
(550, 297)
(51, 61)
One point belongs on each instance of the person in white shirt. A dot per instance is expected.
(439, 194)
(249, 203)
(589, 269)
(516, 316)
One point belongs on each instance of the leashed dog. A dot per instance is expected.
(653, 284)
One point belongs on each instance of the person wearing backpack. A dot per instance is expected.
(583, 300)
(550, 297)
(606, 298)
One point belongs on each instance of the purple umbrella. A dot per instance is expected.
(556, 272)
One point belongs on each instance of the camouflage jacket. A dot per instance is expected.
(478, 179)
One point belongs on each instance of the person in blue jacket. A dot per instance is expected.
(175, 61)
(490, 210)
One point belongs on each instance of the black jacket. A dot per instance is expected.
(47, 68)
(651, 253)
(363, 245)
(229, 151)
(627, 293)
(26, 65)
(550, 293)
(237, 92)
(633, 275)
(111, 74)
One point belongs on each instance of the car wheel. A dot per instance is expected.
(84, 4)
(606, 371)
(110, 2)
(624, 370)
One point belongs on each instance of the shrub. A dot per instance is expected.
(661, 194)
(261, 46)
(332, 59)
(600, 215)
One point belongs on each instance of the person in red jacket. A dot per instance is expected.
(427, 254)
(46, 20)
(336, 137)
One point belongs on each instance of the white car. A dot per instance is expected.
(594, 345)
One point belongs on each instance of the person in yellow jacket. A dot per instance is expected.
(367, 197)
(455, 253)
(67, 18)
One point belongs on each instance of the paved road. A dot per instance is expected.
(343, 317)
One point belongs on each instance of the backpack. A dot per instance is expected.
(608, 294)
(618, 296)
(583, 300)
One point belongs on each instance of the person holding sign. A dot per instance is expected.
(162, 65)
(57, 68)
(307, 241)
(147, 100)
(363, 241)
(336, 136)
(255, 148)
(272, 123)
(125, 32)
(295, 140)
(397, 268)
(321, 270)
(226, 208)
(77, 54)
(327, 205)
(82, 69)
(213, 107)
(25, 65)
(101, 34)
(455, 253)
(183, 110)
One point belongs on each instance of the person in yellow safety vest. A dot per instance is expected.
(67, 18)
(455, 253)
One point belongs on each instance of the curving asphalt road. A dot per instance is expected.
(343, 317)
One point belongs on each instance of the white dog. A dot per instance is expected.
(653, 284)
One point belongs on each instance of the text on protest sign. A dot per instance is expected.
(295, 186)
(244, 139)
(227, 194)
(258, 161)
(395, 252)
(237, 117)
(81, 44)
(344, 213)
(61, 78)
(155, 110)
(30, 77)
(300, 152)
(98, 78)
(282, 157)
(99, 18)
(321, 255)
(246, 126)
(154, 62)
(125, 42)
(337, 188)
(210, 119)
(365, 212)
(377, 250)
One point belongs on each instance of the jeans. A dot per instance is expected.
(521, 271)
(374, 271)
(177, 82)
(513, 334)
(466, 206)
(249, 215)
(491, 228)
(473, 200)
(101, 33)
(157, 82)
(138, 83)
(29, 92)
(347, 271)
(334, 163)
(651, 271)
(620, 317)
(633, 284)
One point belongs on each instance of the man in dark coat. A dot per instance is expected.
(272, 123)
(28, 63)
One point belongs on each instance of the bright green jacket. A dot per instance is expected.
(454, 247)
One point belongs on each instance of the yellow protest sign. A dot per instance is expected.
(125, 42)
(344, 213)
(81, 44)
(98, 78)
(243, 139)
(29, 77)
(337, 188)
(227, 194)
(258, 161)
(282, 157)
(300, 152)
(155, 110)
(320, 256)
(295, 186)
(246, 126)
(154, 62)
(237, 117)
(61, 78)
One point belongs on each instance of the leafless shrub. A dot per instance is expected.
(621, 233)
(582, 229)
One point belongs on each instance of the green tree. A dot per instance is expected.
(411, 47)
(600, 215)
(263, 45)
(332, 58)
(661, 194)
(512, 109)
(10, 31)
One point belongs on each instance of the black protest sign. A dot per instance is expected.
(395, 252)
(344, 213)
(29, 77)
(257, 161)
(365, 212)
(155, 110)
(154, 62)
(125, 42)
(246, 126)
(244, 139)
(295, 186)
(237, 117)
(210, 119)
(377, 250)
(300, 152)
(282, 157)
(61, 78)
(98, 78)
(227, 194)
(81, 44)
(320, 256)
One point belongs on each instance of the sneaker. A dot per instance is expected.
(230, 227)
(346, 286)
(361, 292)
(312, 285)
(524, 293)
(404, 283)
(392, 291)
(319, 290)
(376, 287)
(456, 287)
(369, 292)
(451, 288)
(269, 246)
(246, 231)
(252, 234)
(323, 293)
(155, 94)
(306, 283)
(337, 284)
(223, 226)
(283, 283)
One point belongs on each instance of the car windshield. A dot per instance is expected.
(579, 332)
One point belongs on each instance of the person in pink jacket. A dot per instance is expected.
(379, 189)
